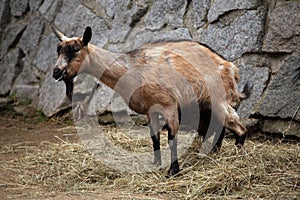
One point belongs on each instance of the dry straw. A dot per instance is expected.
(266, 169)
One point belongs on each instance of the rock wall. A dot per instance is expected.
(261, 36)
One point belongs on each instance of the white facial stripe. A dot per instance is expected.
(61, 63)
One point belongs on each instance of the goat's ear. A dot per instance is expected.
(247, 90)
(87, 35)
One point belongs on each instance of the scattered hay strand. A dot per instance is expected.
(267, 169)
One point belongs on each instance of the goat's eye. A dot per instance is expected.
(76, 48)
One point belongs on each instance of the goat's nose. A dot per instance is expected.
(57, 73)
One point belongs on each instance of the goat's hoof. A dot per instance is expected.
(239, 149)
(216, 149)
(174, 169)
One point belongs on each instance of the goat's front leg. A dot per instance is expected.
(153, 121)
(156, 146)
(209, 120)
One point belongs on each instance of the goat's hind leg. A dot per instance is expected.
(173, 140)
(153, 121)
(173, 127)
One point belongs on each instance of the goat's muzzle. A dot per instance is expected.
(59, 75)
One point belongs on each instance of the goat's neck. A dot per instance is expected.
(104, 65)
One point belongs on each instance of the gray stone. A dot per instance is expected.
(281, 127)
(18, 8)
(106, 100)
(220, 7)
(84, 84)
(31, 37)
(259, 77)
(35, 4)
(8, 70)
(237, 38)
(12, 36)
(281, 99)
(110, 6)
(283, 33)
(200, 8)
(65, 17)
(84, 17)
(165, 12)
(4, 16)
(119, 16)
(46, 55)
(49, 9)
(144, 37)
(51, 98)
(26, 85)
(100, 101)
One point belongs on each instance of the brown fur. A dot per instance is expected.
(164, 78)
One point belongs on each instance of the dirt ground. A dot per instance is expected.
(30, 129)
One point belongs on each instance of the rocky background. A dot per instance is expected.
(261, 36)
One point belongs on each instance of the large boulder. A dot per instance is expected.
(126, 16)
(18, 8)
(10, 67)
(220, 7)
(285, 127)
(31, 37)
(65, 16)
(50, 8)
(281, 98)
(165, 12)
(144, 37)
(26, 85)
(83, 17)
(35, 4)
(46, 55)
(200, 10)
(4, 16)
(11, 37)
(51, 98)
(259, 77)
(242, 35)
(283, 33)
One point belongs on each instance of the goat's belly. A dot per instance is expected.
(139, 107)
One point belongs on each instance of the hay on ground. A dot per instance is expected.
(267, 169)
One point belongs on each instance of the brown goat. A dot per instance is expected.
(174, 79)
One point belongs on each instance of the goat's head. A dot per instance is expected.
(71, 54)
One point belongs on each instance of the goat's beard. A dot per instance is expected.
(69, 87)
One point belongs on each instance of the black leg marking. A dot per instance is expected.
(205, 122)
(156, 146)
(218, 144)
